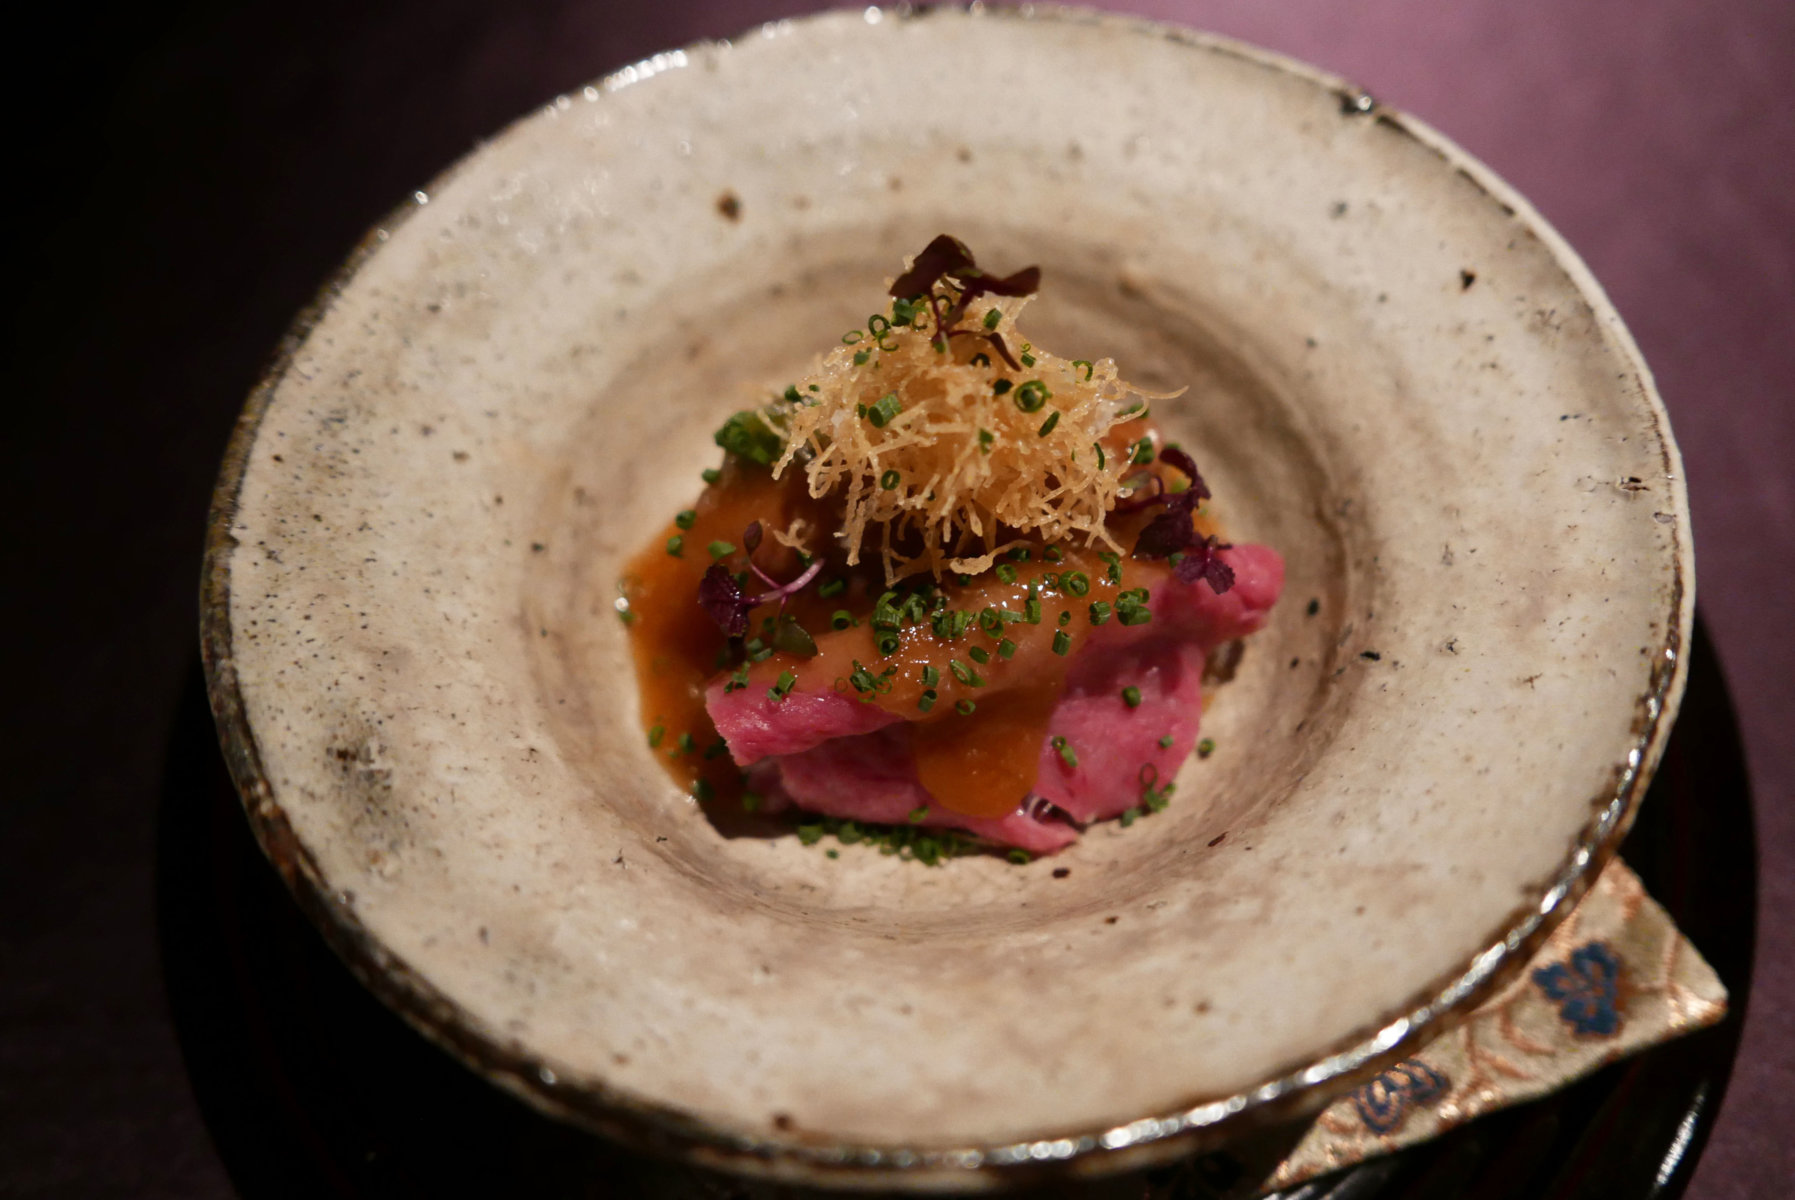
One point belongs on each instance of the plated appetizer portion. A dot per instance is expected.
(948, 580)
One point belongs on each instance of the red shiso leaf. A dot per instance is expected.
(722, 600)
(943, 256)
(1170, 531)
(1201, 561)
(1185, 463)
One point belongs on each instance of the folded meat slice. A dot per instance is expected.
(872, 778)
(834, 754)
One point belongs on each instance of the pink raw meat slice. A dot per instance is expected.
(757, 727)
(834, 755)
(871, 778)
(1117, 747)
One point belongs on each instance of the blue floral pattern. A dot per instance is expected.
(1385, 1102)
(1586, 987)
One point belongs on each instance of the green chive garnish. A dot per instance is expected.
(1006, 649)
(655, 735)
(831, 587)
(1002, 387)
(1131, 696)
(1075, 583)
(1053, 418)
(710, 474)
(1079, 362)
(1032, 396)
(684, 519)
(1006, 572)
(992, 317)
(841, 618)
(880, 414)
(1061, 643)
(928, 700)
(1165, 743)
(979, 655)
(965, 707)
(889, 480)
(930, 676)
(1064, 749)
(1099, 612)
(985, 440)
(1206, 747)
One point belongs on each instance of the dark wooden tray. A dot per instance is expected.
(312, 1088)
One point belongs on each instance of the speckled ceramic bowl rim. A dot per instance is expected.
(1152, 1137)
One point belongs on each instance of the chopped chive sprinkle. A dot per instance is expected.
(685, 518)
(1079, 362)
(981, 360)
(1032, 396)
(684, 745)
(719, 549)
(919, 814)
(1206, 747)
(1002, 387)
(880, 414)
(851, 336)
(1115, 565)
(751, 801)
(1020, 857)
(860, 357)
(889, 480)
(1053, 418)
(1165, 743)
(1075, 583)
(832, 587)
(1128, 817)
(887, 644)
(782, 687)
(702, 790)
(930, 676)
(1099, 612)
(992, 317)
(1061, 643)
(1066, 617)
(1031, 611)
(990, 620)
(1053, 554)
(1006, 649)
(674, 544)
(964, 673)
(928, 700)
(979, 654)
(655, 735)
(985, 440)
(710, 474)
(1098, 447)
(965, 707)
(841, 618)
(1064, 749)
(1131, 696)
(1006, 572)
(1028, 359)
(1143, 452)
(717, 749)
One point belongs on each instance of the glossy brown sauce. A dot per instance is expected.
(980, 763)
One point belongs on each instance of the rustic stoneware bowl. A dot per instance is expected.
(1399, 376)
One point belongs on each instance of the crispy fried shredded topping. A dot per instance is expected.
(945, 436)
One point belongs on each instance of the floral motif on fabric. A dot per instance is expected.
(1587, 988)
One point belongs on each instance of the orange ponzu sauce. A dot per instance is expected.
(980, 763)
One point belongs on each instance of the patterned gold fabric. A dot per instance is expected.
(1614, 978)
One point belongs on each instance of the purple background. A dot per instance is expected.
(201, 166)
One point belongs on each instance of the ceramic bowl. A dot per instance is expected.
(1399, 376)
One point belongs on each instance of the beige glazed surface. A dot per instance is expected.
(1398, 377)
